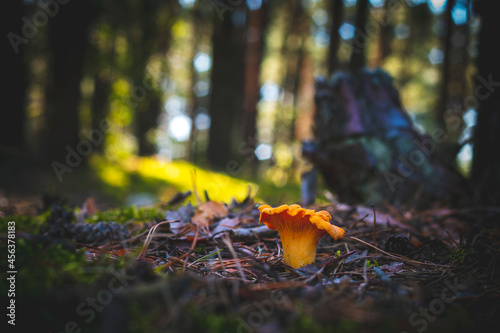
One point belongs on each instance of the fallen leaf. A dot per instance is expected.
(207, 212)
(226, 224)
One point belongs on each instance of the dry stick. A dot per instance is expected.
(193, 244)
(356, 223)
(374, 224)
(221, 261)
(401, 258)
(227, 241)
(331, 261)
(171, 262)
(314, 276)
(195, 191)
(204, 257)
(149, 238)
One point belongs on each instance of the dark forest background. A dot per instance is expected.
(120, 92)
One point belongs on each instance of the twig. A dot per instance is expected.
(331, 261)
(142, 254)
(221, 261)
(315, 275)
(195, 191)
(193, 244)
(374, 225)
(365, 276)
(205, 257)
(171, 262)
(356, 223)
(227, 241)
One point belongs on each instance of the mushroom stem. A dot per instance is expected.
(300, 250)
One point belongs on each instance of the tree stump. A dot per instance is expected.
(368, 150)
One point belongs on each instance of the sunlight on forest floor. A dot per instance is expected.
(163, 179)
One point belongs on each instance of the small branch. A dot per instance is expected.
(151, 232)
(331, 261)
(227, 241)
(374, 225)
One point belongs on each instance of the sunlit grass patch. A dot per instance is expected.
(164, 178)
(220, 187)
(150, 174)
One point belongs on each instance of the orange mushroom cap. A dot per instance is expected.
(300, 230)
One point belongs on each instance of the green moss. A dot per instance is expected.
(459, 255)
(132, 213)
(201, 250)
(43, 267)
(26, 223)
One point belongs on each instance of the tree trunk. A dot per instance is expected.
(384, 37)
(68, 43)
(358, 59)
(197, 27)
(336, 15)
(100, 104)
(147, 110)
(257, 23)
(445, 67)
(12, 131)
(227, 85)
(103, 61)
(151, 35)
(291, 53)
(486, 160)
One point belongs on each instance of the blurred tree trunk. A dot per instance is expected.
(103, 64)
(197, 26)
(384, 36)
(68, 41)
(227, 86)
(449, 149)
(486, 161)
(257, 24)
(149, 35)
(12, 130)
(291, 53)
(458, 86)
(336, 16)
(416, 18)
(358, 58)
(295, 71)
(100, 103)
(445, 78)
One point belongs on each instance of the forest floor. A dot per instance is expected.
(150, 269)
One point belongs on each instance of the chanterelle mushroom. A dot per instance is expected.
(300, 231)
